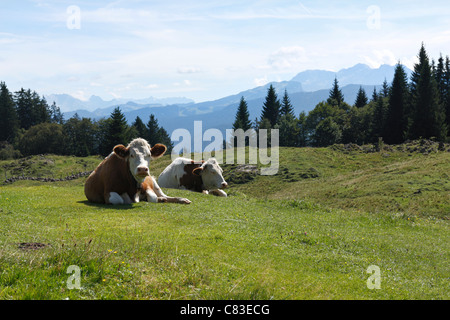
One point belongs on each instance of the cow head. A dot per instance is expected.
(138, 155)
(211, 174)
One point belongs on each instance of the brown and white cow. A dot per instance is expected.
(123, 177)
(205, 176)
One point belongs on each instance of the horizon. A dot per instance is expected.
(204, 51)
(129, 99)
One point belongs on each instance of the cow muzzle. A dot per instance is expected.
(142, 171)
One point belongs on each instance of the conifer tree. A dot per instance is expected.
(379, 118)
(242, 119)
(447, 97)
(152, 130)
(164, 138)
(286, 106)
(302, 130)
(24, 108)
(139, 126)
(271, 107)
(427, 111)
(157, 134)
(336, 97)
(8, 115)
(396, 119)
(116, 130)
(361, 98)
(56, 115)
(374, 94)
(385, 88)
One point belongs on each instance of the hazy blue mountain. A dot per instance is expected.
(69, 104)
(313, 80)
(174, 113)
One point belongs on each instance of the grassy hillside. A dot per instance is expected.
(310, 232)
(411, 179)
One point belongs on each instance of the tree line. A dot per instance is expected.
(29, 126)
(413, 108)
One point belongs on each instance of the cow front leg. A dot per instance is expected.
(219, 193)
(162, 197)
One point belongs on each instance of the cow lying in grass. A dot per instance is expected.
(119, 178)
(205, 176)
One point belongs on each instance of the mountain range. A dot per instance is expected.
(305, 91)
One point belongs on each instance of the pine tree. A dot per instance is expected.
(56, 115)
(116, 130)
(242, 119)
(40, 109)
(442, 75)
(286, 106)
(153, 130)
(24, 108)
(428, 114)
(8, 115)
(447, 97)
(385, 88)
(302, 130)
(31, 109)
(440, 78)
(396, 118)
(271, 107)
(374, 94)
(164, 138)
(336, 97)
(379, 118)
(361, 98)
(139, 126)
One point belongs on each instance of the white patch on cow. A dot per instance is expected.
(115, 198)
(170, 176)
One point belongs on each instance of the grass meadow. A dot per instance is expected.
(310, 232)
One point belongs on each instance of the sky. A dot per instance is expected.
(204, 50)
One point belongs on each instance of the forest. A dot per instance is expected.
(404, 109)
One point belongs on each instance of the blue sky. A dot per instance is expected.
(204, 50)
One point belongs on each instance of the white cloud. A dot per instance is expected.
(288, 57)
(188, 70)
(380, 57)
(80, 94)
(261, 81)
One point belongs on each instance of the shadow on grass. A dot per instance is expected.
(107, 206)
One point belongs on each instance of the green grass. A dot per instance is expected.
(302, 234)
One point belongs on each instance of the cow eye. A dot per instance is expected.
(132, 155)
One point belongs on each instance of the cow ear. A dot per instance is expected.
(158, 150)
(121, 151)
(197, 171)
